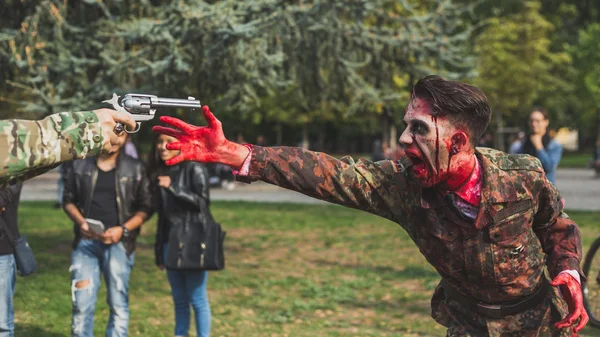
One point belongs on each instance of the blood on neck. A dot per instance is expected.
(459, 171)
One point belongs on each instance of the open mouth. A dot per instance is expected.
(419, 165)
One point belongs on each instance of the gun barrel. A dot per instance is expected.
(160, 102)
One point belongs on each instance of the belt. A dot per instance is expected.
(498, 310)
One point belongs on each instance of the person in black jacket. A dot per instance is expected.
(113, 189)
(9, 204)
(182, 198)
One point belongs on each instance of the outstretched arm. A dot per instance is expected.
(30, 148)
(364, 185)
(373, 187)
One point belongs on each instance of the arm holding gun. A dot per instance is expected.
(142, 107)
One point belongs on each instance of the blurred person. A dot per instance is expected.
(240, 138)
(181, 195)
(225, 176)
(378, 153)
(517, 143)
(261, 140)
(114, 189)
(487, 140)
(387, 150)
(29, 148)
(596, 162)
(63, 169)
(541, 145)
(488, 222)
(130, 149)
(9, 204)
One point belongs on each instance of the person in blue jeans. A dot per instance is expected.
(181, 195)
(113, 189)
(9, 204)
(539, 144)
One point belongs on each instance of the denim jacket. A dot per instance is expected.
(550, 158)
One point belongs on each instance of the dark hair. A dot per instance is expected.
(156, 166)
(543, 111)
(465, 105)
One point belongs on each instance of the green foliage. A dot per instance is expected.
(587, 56)
(586, 53)
(516, 66)
(291, 62)
(295, 63)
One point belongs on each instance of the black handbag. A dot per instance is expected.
(23, 254)
(189, 253)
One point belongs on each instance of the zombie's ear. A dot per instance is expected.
(458, 141)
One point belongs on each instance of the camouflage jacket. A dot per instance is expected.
(498, 258)
(29, 148)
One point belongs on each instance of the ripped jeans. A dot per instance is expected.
(87, 261)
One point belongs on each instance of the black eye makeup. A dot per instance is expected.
(419, 127)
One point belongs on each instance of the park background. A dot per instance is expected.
(327, 75)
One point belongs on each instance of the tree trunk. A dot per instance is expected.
(305, 142)
(279, 128)
(384, 129)
(393, 136)
(499, 137)
(321, 140)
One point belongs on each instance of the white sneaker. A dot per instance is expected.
(228, 185)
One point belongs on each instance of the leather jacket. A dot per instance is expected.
(182, 208)
(132, 186)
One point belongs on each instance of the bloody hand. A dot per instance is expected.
(203, 144)
(571, 291)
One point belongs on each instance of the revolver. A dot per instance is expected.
(142, 107)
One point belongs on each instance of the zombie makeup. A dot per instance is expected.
(433, 145)
(426, 144)
(470, 191)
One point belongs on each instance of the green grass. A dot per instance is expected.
(575, 160)
(292, 270)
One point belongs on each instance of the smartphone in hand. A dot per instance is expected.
(95, 226)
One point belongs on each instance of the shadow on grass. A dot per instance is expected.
(408, 272)
(405, 307)
(34, 331)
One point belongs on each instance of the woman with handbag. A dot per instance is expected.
(182, 200)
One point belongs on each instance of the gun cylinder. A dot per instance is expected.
(137, 104)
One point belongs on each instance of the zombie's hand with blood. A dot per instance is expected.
(201, 143)
(571, 291)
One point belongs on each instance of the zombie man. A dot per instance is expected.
(487, 221)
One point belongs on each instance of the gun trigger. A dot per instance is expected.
(138, 125)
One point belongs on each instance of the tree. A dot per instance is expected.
(586, 54)
(295, 62)
(516, 66)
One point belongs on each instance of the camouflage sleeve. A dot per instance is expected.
(371, 187)
(559, 235)
(29, 148)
